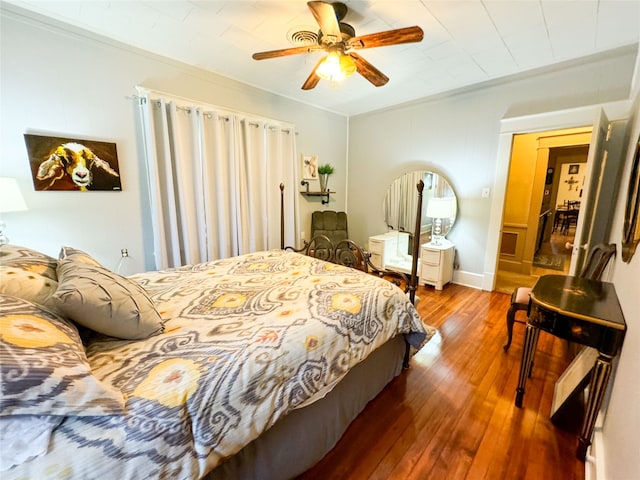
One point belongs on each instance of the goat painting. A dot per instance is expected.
(68, 164)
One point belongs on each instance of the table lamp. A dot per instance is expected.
(11, 200)
(439, 208)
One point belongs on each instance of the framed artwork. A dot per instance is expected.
(309, 167)
(631, 226)
(574, 169)
(574, 379)
(59, 163)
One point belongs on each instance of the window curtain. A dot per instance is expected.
(214, 179)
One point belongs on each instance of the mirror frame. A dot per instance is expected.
(631, 226)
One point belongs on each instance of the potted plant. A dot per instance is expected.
(323, 174)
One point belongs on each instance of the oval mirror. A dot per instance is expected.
(631, 226)
(400, 203)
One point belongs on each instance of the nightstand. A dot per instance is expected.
(436, 263)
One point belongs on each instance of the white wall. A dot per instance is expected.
(620, 441)
(457, 135)
(55, 81)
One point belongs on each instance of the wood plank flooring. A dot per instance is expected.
(452, 414)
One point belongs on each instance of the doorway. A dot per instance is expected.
(542, 200)
(599, 197)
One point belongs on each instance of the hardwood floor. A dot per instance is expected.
(451, 415)
(508, 281)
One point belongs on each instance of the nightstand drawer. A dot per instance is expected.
(429, 272)
(376, 246)
(436, 263)
(431, 256)
(376, 259)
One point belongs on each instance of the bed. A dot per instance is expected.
(216, 370)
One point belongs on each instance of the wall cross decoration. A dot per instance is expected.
(572, 181)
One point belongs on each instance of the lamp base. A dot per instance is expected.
(436, 240)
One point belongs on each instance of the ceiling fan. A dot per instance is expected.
(339, 40)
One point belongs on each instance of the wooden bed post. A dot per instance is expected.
(413, 283)
(281, 216)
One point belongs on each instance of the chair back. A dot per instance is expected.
(330, 224)
(597, 260)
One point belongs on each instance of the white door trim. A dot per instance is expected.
(578, 117)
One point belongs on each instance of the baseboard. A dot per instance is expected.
(468, 279)
(595, 461)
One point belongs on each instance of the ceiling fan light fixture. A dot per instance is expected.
(336, 37)
(336, 67)
(347, 65)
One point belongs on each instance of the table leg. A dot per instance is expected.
(597, 387)
(530, 343)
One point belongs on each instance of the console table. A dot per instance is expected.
(582, 311)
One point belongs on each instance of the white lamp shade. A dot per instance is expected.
(440, 207)
(11, 199)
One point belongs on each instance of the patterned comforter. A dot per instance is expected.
(246, 340)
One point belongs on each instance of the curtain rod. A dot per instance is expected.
(225, 117)
(187, 102)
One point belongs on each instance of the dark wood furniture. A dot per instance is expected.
(324, 195)
(348, 253)
(565, 216)
(580, 310)
(597, 261)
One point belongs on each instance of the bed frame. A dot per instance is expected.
(270, 455)
(348, 253)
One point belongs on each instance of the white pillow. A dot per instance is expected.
(24, 437)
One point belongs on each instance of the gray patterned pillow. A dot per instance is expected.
(28, 274)
(43, 366)
(29, 260)
(70, 253)
(105, 302)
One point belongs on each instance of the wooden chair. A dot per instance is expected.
(597, 261)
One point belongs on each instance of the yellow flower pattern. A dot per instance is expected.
(346, 302)
(230, 300)
(29, 331)
(311, 343)
(170, 383)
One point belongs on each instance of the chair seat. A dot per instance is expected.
(519, 301)
(521, 296)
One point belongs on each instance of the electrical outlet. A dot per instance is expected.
(303, 236)
(486, 192)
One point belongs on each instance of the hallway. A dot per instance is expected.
(507, 282)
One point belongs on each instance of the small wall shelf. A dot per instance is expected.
(307, 193)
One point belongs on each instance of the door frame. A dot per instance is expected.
(559, 120)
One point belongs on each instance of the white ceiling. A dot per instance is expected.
(465, 42)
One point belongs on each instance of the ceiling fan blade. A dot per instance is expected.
(285, 52)
(313, 79)
(368, 71)
(325, 15)
(390, 37)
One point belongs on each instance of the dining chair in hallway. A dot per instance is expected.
(593, 268)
